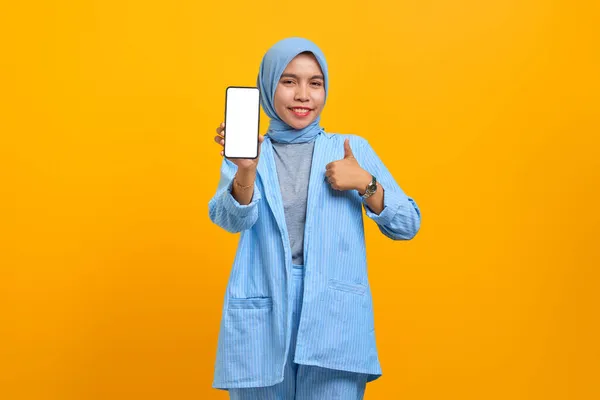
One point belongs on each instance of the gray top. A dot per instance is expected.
(293, 161)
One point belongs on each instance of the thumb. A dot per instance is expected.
(347, 150)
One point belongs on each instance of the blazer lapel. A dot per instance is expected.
(267, 171)
(316, 186)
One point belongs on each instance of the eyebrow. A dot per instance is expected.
(296, 76)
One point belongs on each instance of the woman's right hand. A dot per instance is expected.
(242, 163)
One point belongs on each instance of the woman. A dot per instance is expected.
(297, 316)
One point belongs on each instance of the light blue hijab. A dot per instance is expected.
(272, 66)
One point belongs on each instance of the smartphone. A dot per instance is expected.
(242, 119)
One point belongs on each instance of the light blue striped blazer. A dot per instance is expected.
(336, 325)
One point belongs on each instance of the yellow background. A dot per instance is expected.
(487, 113)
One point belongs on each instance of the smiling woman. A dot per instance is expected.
(302, 249)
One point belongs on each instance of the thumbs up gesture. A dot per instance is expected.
(347, 174)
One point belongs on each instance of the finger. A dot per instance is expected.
(329, 166)
(221, 128)
(221, 152)
(220, 140)
(347, 150)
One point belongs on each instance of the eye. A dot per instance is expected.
(317, 83)
(287, 81)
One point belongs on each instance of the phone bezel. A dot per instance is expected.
(257, 127)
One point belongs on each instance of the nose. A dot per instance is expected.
(301, 93)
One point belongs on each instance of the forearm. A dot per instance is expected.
(396, 214)
(243, 185)
(375, 201)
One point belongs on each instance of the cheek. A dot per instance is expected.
(280, 103)
(320, 98)
(277, 101)
(281, 97)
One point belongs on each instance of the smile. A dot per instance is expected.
(300, 111)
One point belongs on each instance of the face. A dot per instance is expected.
(300, 93)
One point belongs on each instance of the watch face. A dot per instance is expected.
(371, 187)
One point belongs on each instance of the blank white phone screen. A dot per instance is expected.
(241, 122)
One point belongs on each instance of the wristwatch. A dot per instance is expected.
(371, 188)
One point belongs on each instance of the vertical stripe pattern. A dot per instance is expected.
(335, 329)
(306, 382)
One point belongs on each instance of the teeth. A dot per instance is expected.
(300, 110)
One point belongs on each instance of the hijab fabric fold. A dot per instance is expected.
(272, 66)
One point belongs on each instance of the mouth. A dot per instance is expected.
(300, 111)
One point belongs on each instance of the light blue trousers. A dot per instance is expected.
(306, 382)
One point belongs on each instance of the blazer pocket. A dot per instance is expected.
(347, 287)
(251, 303)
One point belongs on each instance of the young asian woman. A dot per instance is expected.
(297, 319)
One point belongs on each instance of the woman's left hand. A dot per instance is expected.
(347, 174)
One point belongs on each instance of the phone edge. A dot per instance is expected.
(257, 127)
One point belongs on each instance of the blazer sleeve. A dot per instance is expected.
(225, 211)
(400, 218)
